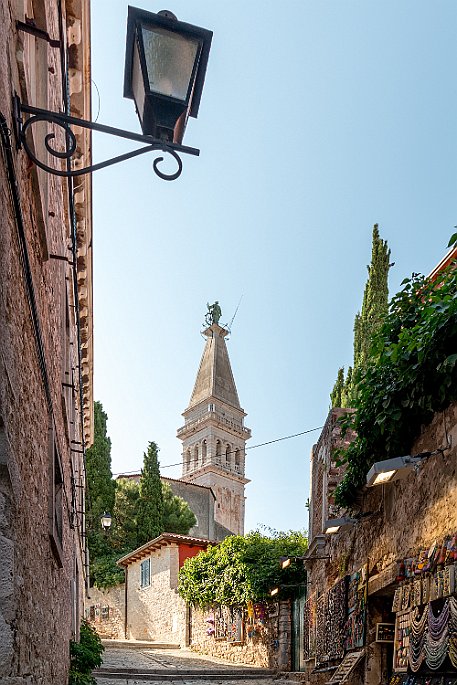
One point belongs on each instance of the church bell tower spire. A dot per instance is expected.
(214, 435)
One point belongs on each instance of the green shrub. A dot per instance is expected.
(85, 655)
(410, 375)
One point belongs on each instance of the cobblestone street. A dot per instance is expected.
(126, 665)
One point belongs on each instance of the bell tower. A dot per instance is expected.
(214, 435)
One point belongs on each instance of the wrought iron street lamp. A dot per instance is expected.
(165, 66)
(106, 520)
(165, 69)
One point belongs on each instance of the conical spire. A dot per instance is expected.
(215, 378)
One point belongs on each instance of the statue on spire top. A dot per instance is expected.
(213, 314)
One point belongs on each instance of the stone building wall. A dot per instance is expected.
(156, 612)
(201, 501)
(41, 420)
(230, 500)
(267, 645)
(407, 516)
(105, 611)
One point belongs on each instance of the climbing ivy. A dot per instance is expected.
(411, 373)
(242, 569)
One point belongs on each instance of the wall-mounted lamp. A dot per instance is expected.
(165, 67)
(106, 520)
(398, 468)
(333, 526)
(275, 590)
(285, 562)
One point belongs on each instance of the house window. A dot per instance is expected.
(145, 573)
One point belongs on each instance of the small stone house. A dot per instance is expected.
(153, 608)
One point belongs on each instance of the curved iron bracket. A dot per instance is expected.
(65, 122)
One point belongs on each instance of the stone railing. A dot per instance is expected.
(221, 420)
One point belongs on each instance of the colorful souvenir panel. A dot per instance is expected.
(402, 640)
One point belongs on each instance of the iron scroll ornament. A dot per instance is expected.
(65, 122)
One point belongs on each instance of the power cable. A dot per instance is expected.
(251, 447)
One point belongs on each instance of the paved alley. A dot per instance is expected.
(126, 665)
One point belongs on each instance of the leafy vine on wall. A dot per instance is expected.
(410, 375)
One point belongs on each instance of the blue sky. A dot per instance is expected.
(318, 119)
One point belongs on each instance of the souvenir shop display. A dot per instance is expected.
(385, 632)
(453, 631)
(419, 629)
(437, 641)
(422, 680)
(416, 593)
(309, 625)
(397, 602)
(235, 627)
(336, 616)
(402, 641)
(346, 667)
(356, 609)
(321, 630)
(426, 633)
(221, 622)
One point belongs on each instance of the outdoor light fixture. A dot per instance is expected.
(165, 67)
(274, 591)
(333, 526)
(284, 562)
(398, 468)
(106, 520)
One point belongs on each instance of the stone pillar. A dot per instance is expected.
(284, 636)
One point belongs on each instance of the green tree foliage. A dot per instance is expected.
(338, 388)
(242, 569)
(85, 655)
(100, 484)
(367, 321)
(124, 529)
(375, 300)
(177, 515)
(100, 487)
(150, 504)
(141, 511)
(411, 373)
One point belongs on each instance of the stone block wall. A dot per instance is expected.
(407, 516)
(41, 421)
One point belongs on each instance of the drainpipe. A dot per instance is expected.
(125, 601)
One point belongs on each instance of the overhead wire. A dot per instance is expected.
(251, 447)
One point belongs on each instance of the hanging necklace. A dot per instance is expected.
(438, 625)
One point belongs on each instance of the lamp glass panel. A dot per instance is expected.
(384, 477)
(332, 529)
(285, 563)
(170, 60)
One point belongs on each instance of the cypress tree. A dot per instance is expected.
(375, 300)
(99, 478)
(335, 395)
(367, 321)
(150, 504)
